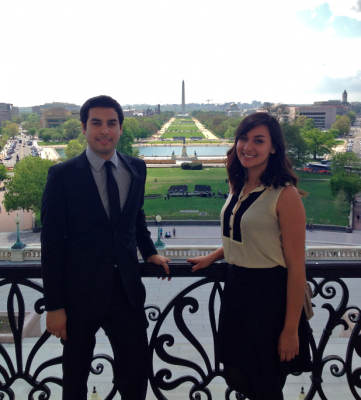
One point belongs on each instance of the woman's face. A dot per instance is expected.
(254, 149)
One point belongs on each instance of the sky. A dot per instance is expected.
(140, 51)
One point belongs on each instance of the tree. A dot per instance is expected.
(342, 160)
(16, 119)
(32, 131)
(296, 146)
(342, 124)
(73, 149)
(335, 132)
(352, 116)
(308, 125)
(82, 140)
(349, 183)
(33, 118)
(3, 172)
(46, 137)
(11, 130)
(319, 143)
(300, 121)
(125, 142)
(230, 132)
(25, 189)
(341, 202)
(6, 123)
(72, 129)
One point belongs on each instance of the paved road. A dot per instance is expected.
(356, 131)
(21, 150)
(207, 235)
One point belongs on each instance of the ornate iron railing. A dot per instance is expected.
(200, 376)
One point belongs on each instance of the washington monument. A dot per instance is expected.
(183, 100)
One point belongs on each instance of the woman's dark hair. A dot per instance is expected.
(278, 171)
(100, 101)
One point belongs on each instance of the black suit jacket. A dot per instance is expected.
(79, 248)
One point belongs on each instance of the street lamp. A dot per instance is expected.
(18, 244)
(158, 243)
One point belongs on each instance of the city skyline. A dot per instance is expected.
(282, 51)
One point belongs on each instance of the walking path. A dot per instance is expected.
(208, 134)
(158, 134)
(7, 220)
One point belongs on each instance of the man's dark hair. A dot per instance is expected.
(100, 101)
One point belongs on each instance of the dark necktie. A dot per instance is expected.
(113, 195)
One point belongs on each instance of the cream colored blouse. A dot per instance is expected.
(251, 233)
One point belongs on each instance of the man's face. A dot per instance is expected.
(102, 131)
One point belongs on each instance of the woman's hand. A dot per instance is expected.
(288, 345)
(200, 262)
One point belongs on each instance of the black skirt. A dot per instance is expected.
(252, 318)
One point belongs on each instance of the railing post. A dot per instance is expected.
(17, 255)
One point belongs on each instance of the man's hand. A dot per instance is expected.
(288, 345)
(56, 323)
(160, 260)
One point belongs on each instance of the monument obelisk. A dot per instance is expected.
(183, 100)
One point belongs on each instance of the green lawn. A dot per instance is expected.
(169, 135)
(320, 205)
(306, 175)
(183, 127)
(184, 119)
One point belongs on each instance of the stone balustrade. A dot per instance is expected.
(182, 252)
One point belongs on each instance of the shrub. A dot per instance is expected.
(186, 165)
(196, 166)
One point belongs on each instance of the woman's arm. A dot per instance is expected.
(292, 218)
(205, 261)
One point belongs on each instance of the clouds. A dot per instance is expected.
(357, 7)
(139, 52)
(321, 19)
(329, 85)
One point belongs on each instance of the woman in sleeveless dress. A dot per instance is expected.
(263, 328)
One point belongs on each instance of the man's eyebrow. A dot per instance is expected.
(100, 120)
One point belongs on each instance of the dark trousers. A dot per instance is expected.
(126, 330)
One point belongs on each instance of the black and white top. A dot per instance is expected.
(251, 233)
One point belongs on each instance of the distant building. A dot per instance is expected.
(56, 116)
(7, 110)
(233, 110)
(322, 112)
(67, 106)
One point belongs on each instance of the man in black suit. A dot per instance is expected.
(92, 224)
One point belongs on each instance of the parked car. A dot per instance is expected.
(8, 157)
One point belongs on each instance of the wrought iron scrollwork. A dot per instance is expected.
(161, 380)
(201, 373)
(11, 373)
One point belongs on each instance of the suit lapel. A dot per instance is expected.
(134, 173)
(89, 185)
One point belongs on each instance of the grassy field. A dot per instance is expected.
(184, 119)
(307, 175)
(183, 127)
(169, 135)
(320, 205)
